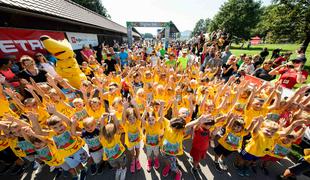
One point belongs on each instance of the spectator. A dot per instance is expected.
(301, 54)
(263, 72)
(247, 67)
(264, 53)
(86, 52)
(230, 68)
(171, 62)
(291, 73)
(5, 71)
(276, 53)
(183, 60)
(226, 54)
(31, 71)
(241, 60)
(282, 59)
(123, 56)
(110, 63)
(215, 63)
(257, 61)
(42, 63)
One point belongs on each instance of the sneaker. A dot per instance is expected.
(194, 172)
(138, 165)
(149, 165)
(83, 174)
(133, 166)
(99, 169)
(166, 171)
(217, 167)
(123, 173)
(93, 169)
(156, 163)
(17, 169)
(118, 174)
(222, 165)
(178, 175)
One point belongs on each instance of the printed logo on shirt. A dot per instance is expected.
(152, 140)
(45, 154)
(232, 140)
(63, 140)
(170, 148)
(93, 143)
(280, 150)
(112, 153)
(26, 146)
(80, 115)
(133, 137)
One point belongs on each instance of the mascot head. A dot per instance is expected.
(60, 49)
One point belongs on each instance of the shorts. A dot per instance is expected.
(152, 149)
(198, 155)
(220, 150)
(120, 161)
(301, 167)
(135, 146)
(247, 156)
(81, 156)
(8, 156)
(172, 161)
(97, 156)
(270, 158)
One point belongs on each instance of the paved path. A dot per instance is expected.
(207, 171)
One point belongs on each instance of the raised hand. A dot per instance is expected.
(51, 109)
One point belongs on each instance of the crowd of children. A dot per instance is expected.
(112, 116)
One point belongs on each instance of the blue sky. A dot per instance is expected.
(184, 13)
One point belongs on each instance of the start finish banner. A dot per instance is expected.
(78, 40)
(20, 42)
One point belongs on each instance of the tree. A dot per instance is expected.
(237, 17)
(201, 26)
(94, 5)
(287, 19)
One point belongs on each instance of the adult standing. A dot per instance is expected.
(226, 54)
(5, 70)
(30, 70)
(111, 63)
(183, 60)
(263, 72)
(42, 63)
(86, 52)
(123, 56)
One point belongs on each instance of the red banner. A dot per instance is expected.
(20, 42)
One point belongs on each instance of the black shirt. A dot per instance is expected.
(40, 77)
(111, 66)
(263, 74)
(92, 139)
(230, 72)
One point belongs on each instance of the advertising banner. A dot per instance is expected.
(77, 40)
(20, 42)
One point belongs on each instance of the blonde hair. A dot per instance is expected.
(108, 131)
(77, 100)
(88, 121)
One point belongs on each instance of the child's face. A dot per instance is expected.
(95, 105)
(39, 145)
(84, 65)
(132, 118)
(31, 106)
(78, 105)
(269, 132)
(55, 97)
(244, 95)
(151, 120)
(90, 127)
(237, 128)
(58, 128)
(257, 104)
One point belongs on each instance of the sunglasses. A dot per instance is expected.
(40, 55)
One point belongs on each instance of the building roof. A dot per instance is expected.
(65, 9)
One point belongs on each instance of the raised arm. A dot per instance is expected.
(52, 110)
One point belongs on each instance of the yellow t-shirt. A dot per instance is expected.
(172, 141)
(260, 145)
(114, 149)
(67, 144)
(87, 71)
(307, 154)
(279, 149)
(250, 114)
(132, 133)
(65, 109)
(4, 143)
(152, 133)
(141, 104)
(232, 141)
(21, 148)
(5, 108)
(50, 155)
(95, 114)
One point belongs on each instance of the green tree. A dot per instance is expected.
(94, 5)
(287, 19)
(237, 17)
(199, 27)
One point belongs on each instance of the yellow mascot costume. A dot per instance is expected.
(66, 66)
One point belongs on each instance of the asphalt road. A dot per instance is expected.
(207, 170)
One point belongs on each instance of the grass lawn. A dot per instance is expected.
(256, 49)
